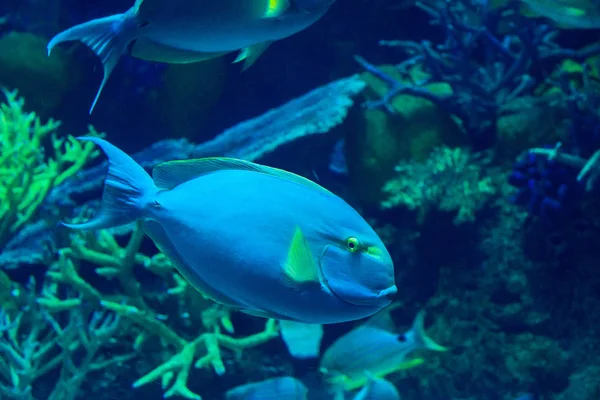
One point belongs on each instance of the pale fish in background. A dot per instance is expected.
(185, 31)
(377, 389)
(257, 239)
(302, 340)
(281, 388)
(567, 14)
(373, 349)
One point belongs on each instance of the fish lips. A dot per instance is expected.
(358, 278)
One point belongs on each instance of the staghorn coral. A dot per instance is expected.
(488, 58)
(27, 174)
(448, 180)
(185, 309)
(44, 338)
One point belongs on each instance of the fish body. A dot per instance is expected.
(185, 31)
(220, 26)
(261, 240)
(370, 350)
(567, 14)
(378, 389)
(281, 388)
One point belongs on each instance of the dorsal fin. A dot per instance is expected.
(137, 5)
(169, 174)
(383, 319)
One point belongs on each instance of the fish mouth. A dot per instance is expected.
(388, 293)
(382, 299)
(349, 288)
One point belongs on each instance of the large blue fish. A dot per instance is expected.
(186, 31)
(259, 239)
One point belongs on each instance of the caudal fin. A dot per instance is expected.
(128, 190)
(420, 336)
(107, 37)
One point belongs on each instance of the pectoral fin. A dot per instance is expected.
(250, 54)
(300, 267)
(415, 362)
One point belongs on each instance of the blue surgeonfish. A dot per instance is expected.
(186, 31)
(259, 239)
(373, 349)
(281, 388)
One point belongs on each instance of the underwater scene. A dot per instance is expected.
(300, 199)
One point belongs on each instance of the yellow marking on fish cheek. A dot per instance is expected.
(374, 251)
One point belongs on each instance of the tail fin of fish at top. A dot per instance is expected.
(129, 191)
(108, 37)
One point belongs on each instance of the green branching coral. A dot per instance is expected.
(137, 308)
(27, 174)
(33, 343)
(449, 180)
(71, 325)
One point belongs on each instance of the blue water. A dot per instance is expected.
(465, 133)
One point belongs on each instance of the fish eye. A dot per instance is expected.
(353, 244)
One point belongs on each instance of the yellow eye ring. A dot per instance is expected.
(353, 244)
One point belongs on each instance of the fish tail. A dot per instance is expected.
(423, 341)
(129, 192)
(108, 37)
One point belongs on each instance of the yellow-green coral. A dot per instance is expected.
(138, 307)
(27, 173)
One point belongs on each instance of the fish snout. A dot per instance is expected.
(388, 293)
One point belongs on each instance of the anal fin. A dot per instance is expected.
(250, 54)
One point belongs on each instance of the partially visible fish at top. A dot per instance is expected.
(254, 238)
(280, 388)
(566, 14)
(373, 349)
(187, 31)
